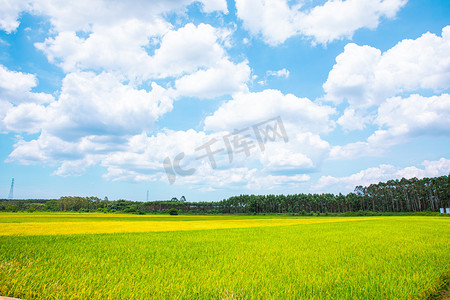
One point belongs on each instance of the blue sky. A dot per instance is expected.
(108, 98)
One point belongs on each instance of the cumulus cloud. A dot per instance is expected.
(246, 109)
(109, 53)
(92, 104)
(340, 19)
(180, 51)
(416, 114)
(86, 14)
(16, 87)
(400, 120)
(112, 52)
(384, 173)
(188, 49)
(353, 120)
(364, 77)
(194, 55)
(27, 117)
(143, 156)
(215, 81)
(259, 16)
(323, 23)
(302, 119)
(10, 13)
(117, 43)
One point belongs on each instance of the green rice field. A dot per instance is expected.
(109, 256)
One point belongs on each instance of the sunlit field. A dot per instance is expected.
(106, 256)
(65, 223)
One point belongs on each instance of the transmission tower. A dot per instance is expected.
(11, 190)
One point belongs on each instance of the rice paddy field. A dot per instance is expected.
(109, 256)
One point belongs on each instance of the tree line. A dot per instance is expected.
(405, 195)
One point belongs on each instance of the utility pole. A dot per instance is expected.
(11, 190)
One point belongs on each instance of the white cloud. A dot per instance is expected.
(323, 23)
(302, 119)
(142, 159)
(16, 87)
(27, 117)
(5, 107)
(340, 19)
(10, 13)
(224, 78)
(117, 43)
(188, 49)
(101, 104)
(45, 149)
(400, 120)
(304, 152)
(384, 173)
(353, 120)
(92, 104)
(355, 149)
(123, 50)
(283, 73)
(84, 15)
(215, 5)
(416, 115)
(260, 16)
(365, 77)
(247, 109)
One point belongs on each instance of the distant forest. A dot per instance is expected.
(405, 195)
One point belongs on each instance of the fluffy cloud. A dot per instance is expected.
(401, 119)
(86, 14)
(365, 77)
(323, 23)
(116, 43)
(10, 12)
(188, 49)
(340, 19)
(143, 157)
(302, 119)
(142, 160)
(247, 109)
(92, 104)
(416, 114)
(180, 51)
(108, 54)
(384, 173)
(27, 117)
(193, 54)
(259, 16)
(353, 120)
(17, 100)
(280, 73)
(16, 88)
(215, 81)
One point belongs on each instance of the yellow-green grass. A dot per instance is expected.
(44, 224)
(372, 258)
